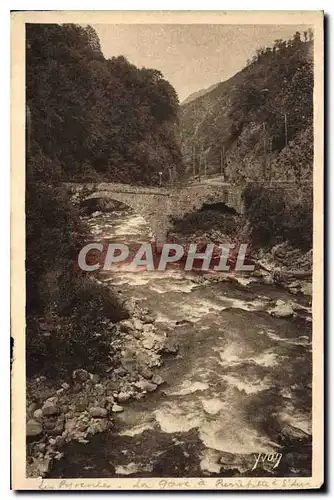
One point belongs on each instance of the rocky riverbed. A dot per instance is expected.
(85, 405)
(208, 371)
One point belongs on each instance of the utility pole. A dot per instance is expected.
(286, 128)
(170, 175)
(205, 165)
(270, 148)
(265, 152)
(28, 129)
(199, 166)
(194, 162)
(200, 162)
(222, 161)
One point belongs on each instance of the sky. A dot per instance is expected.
(191, 57)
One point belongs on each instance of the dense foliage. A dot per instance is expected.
(243, 124)
(89, 119)
(257, 126)
(97, 119)
(279, 216)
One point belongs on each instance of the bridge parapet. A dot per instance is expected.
(158, 205)
(114, 188)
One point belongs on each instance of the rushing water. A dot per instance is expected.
(240, 384)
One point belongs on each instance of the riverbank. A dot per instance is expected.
(163, 313)
(83, 405)
(283, 264)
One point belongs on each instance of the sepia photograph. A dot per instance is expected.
(167, 212)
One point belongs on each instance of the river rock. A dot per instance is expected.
(123, 396)
(58, 428)
(59, 441)
(98, 425)
(279, 252)
(120, 371)
(282, 309)
(45, 394)
(74, 428)
(138, 324)
(33, 428)
(306, 289)
(41, 447)
(259, 273)
(98, 412)
(291, 434)
(82, 403)
(137, 334)
(49, 409)
(146, 372)
(50, 423)
(94, 378)
(117, 408)
(144, 385)
(268, 280)
(99, 389)
(147, 318)
(129, 365)
(183, 322)
(109, 400)
(158, 380)
(65, 386)
(31, 408)
(148, 328)
(170, 347)
(80, 375)
(38, 414)
(149, 342)
(126, 326)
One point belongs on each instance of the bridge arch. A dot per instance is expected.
(157, 205)
(153, 208)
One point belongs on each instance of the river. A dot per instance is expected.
(239, 386)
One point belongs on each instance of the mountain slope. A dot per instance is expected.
(95, 118)
(199, 93)
(249, 125)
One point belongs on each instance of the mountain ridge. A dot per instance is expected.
(262, 116)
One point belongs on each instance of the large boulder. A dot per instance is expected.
(158, 380)
(50, 408)
(80, 375)
(117, 408)
(144, 385)
(33, 428)
(97, 412)
(126, 326)
(123, 396)
(282, 309)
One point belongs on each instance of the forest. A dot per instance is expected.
(255, 128)
(92, 118)
(89, 119)
(257, 124)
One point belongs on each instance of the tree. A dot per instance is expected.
(93, 39)
(96, 112)
(296, 38)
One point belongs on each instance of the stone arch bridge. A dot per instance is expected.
(159, 205)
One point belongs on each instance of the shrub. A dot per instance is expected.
(78, 337)
(67, 313)
(205, 220)
(278, 215)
